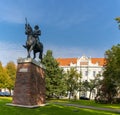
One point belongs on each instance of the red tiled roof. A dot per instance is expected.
(100, 61)
(67, 61)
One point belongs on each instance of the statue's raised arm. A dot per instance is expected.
(28, 28)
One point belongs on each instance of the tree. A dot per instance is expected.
(92, 84)
(3, 77)
(118, 21)
(55, 83)
(11, 71)
(111, 74)
(112, 67)
(111, 82)
(72, 80)
(107, 91)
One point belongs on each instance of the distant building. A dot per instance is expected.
(89, 67)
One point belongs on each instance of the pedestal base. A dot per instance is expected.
(29, 88)
(26, 106)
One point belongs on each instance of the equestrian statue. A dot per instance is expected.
(33, 43)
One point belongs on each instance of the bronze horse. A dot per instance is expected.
(31, 43)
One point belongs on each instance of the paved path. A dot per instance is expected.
(90, 107)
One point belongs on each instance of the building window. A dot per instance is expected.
(86, 73)
(94, 73)
(99, 72)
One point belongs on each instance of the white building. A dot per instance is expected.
(89, 67)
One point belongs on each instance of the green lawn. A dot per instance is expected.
(88, 103)
(50, 109)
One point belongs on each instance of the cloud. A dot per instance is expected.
(59, 51)
(10, 52)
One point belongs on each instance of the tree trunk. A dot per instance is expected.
(90, 94)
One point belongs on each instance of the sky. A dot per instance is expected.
(70, 28)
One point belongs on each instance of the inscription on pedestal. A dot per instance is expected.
(23, 70)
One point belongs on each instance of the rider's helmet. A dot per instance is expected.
(36, 27)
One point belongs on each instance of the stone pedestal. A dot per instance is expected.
(29, 88)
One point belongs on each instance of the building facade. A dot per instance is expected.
(89, 68)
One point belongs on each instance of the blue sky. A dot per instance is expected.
(70, 28)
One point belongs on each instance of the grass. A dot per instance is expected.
(88, 103)
(50, 109)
